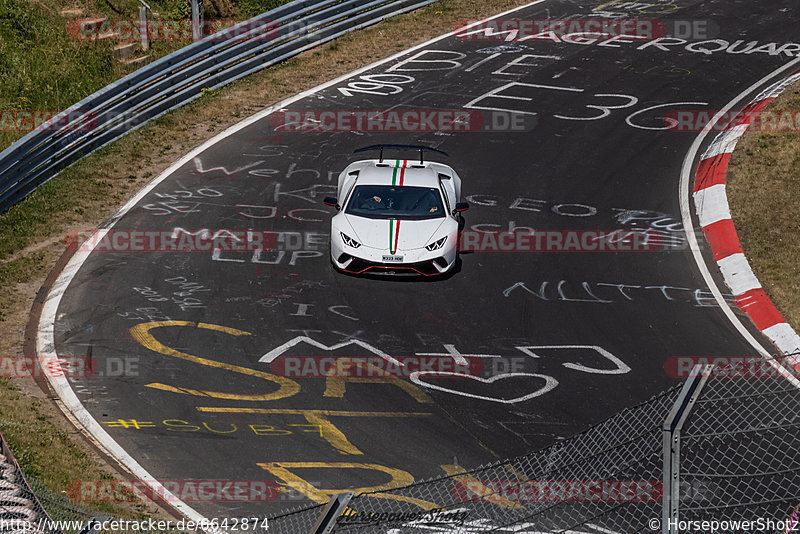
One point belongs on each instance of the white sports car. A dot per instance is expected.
(396, 216)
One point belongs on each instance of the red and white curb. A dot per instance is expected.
(711, 206)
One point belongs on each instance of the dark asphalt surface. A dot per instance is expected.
(642, 308)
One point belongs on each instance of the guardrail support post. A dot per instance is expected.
(334, 508)
(672, 445)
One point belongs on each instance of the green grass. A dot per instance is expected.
(41, 454)
(250, 8)
(43, 68)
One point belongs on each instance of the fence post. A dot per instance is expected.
(197, 19)
(332, 511)
(143, 31)
(672, 445)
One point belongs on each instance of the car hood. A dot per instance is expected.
(392, 234)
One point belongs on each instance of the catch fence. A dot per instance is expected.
(734, 459)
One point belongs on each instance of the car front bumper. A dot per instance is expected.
(419, 262)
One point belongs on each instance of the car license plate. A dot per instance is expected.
(393, 259)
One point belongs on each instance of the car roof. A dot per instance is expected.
(400, 172)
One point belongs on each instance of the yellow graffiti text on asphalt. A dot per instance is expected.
(282, 471)
(141, 333)
(329, 431)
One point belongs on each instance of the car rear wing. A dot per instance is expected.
(420, 148)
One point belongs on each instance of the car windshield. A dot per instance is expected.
(395, 202)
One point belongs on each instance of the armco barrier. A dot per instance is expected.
(176, 80)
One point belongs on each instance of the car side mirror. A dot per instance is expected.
(461, 206)
(332, 201)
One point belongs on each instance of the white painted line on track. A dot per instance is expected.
(45, 341)
(686, 217)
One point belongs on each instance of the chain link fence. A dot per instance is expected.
(511, 495)
(29, 507)
(20, 510)
(740, 450)
(738, 462)
(62, 510)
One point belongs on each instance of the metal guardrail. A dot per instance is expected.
(179, 78)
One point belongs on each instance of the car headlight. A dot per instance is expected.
(349, 241)
(436, 245)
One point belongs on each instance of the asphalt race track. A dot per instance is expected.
(569, 337)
